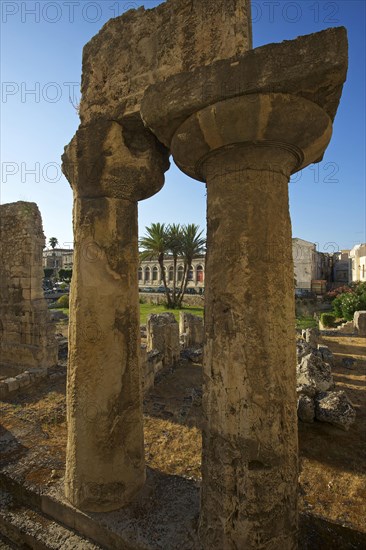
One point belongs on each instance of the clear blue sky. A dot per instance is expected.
(41, 46)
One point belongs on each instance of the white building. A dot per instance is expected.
(309, 266)
(58, 258)
(149, 273)
(358, 262)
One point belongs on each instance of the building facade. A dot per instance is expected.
(358, 262)
(342, 267)
(149, 273)
(58, 258)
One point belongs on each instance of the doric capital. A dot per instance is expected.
(268, 132)
(115, 159)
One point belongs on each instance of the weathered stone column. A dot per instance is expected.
(105, 464)
(246, 149)
(249, 491)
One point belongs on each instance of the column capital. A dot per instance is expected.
(260, 131)
(115, 159)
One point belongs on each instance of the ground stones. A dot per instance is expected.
(317, 398)
(335, 408)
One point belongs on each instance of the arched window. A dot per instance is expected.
(147, 274)
(171, 273)
(180, 273)
(140, 273)
(200, 274)
(155, 273)
(190, 274)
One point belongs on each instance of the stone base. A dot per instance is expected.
(163, 517)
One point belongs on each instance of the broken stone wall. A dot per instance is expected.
(163, 336)
(191, 330)
(26, 333)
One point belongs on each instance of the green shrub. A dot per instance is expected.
(327, 319)
(63, 301)
(345, 305)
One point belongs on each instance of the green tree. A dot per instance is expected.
(174, 245)
(53, 242)
(155, 245)
(48, 272)
(65, 274)
(177, 241)
(193, 244)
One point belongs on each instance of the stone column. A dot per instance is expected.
(105, 455)
(246, 149)
(249, 491)
(105, 464)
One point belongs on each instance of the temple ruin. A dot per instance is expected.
(26, 334)
(183, 79)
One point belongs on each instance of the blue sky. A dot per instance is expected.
(41, 46)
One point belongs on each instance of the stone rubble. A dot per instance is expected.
(335, 408)
(317, 398)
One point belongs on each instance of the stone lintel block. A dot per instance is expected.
(313, 67)
(144, 46)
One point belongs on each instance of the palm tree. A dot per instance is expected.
(53, 242)
(193, 244)
(155, 245)
(180, 241)
(175, 241)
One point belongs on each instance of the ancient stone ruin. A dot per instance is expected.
(191, 330)
(163, 336)
(182, 79)
(27, 340)
(317, 396)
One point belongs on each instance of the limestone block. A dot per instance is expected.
(313, 375)
(326, 355)
(359, 322)
(23, 379)
(335, 408)
(40, 373)
(192, 327)
(163, 335)
(312, 337)
(347, 328)
(305, 408)
(4, 390)
(12, 383)
(272, 68)
(144, 46)
(302, 349)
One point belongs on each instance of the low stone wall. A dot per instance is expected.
(12, 384)
(188, 300)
